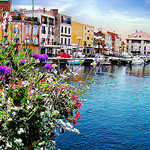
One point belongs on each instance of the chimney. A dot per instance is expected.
(44, 10)
(54, 11)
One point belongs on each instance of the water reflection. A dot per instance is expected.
(139, 71)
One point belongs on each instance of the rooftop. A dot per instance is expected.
(139, 35)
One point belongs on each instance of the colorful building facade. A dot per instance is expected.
(46, 32)
(63, 31)
(138, 43)
(87, 33)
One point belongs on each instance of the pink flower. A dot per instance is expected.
(75, 98)
(60, 89)
(78, 115)
(74, 120)
(3, 46)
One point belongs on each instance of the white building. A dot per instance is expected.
(138, 43)
(117, 43)
(63, 31)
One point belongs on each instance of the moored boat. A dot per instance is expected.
(137, 61)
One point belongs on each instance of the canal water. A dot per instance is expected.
(117, 112)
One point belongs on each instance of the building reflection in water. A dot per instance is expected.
(139, 71)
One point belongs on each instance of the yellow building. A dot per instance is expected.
(86, 32)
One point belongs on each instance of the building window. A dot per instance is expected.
(2, 8)
(35, 30)
(27, 40)
(62, 29)
(48, 41)
(5, 39)
(68, 30)
(91, 37)
(27, 29)
(61, 40)
(52, 31)
(91, 29)
(88, 29)
(65, 29)
(139, 48)
(17, 40)
(65, 19)
(87, 37)
(62, 19)
(43, 29)
(68, 21)
(144, 48)
(15, 30)
(35, 40)
(65, 41)
(89, 45)
(48, 30)
(84, 28)
(6, 29)
(69, 42)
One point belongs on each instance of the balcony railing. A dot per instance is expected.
(17, 18)
(35, 19)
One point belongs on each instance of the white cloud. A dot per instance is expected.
(61, 5)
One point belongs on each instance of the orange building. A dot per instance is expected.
(5, 5)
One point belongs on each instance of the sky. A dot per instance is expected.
(123, 17)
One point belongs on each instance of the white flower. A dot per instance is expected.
(14, 113)
(63, 123)
(15, 108)
(18, 141)
(53, 142)
(93, 64)
(10, 119)
(69, 125)
(8, 145)
(69, 129)
(6, 15)
(56, 111)
(21, 131)
(9, 18)
(76, 130)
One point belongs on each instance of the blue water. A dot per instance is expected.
(117, 112)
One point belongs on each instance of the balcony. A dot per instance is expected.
(16, 18)
(35, 19)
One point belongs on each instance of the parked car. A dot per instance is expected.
(62, 54)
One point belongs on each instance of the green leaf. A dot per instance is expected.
(62, 130)
(64, 73)
(33, 112)
(8, 93)
(54, 114)
(1, 115)
(54, 65)
(80, 61)
(84, 89)
(81, 92)
(45, 85)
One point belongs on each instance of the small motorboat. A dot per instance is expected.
(75, 62)
(137, 61)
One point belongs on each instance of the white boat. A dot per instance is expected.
(137, 61)
(75, 62)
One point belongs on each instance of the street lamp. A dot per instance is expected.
(79, 38)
